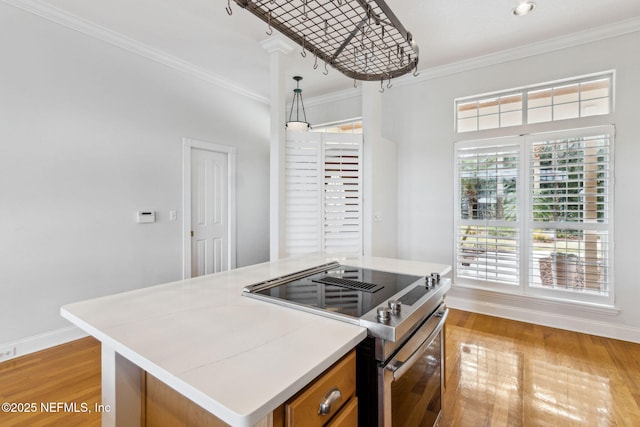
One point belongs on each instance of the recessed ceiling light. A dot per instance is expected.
(523, 8)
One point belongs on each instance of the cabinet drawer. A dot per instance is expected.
(302, 410)
(348, 416)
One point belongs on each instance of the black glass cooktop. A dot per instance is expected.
(352, 291)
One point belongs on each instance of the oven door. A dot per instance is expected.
(411, 382)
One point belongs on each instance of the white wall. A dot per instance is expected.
(419, 117)
(89, 134)
(342, 106)
(380, 179)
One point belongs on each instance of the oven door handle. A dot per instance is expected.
(399, 367)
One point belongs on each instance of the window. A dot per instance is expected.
(349, 126)
(488, 234)
(567, 99)
(534, 214)
(323, 193)
(490, 113)
(569, 194)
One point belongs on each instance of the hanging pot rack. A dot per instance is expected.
(362, 39)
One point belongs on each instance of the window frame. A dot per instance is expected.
(483, 144)
(523, 91)
(526, 225)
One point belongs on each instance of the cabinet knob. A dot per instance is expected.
(329, 399)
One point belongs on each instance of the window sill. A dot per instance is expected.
(532, 302)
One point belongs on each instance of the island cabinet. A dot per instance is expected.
(335, 388)
(330, 400)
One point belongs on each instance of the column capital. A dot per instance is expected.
(277, 43)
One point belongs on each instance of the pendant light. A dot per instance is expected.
(300, 123)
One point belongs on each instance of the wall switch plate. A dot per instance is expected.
(173, 215)
(377, 216)
(7, 353)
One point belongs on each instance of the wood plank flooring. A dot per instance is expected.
(505, 373)
(68, 373)
(498, 373)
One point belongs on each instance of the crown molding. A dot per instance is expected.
(119, 40)
(558, 43)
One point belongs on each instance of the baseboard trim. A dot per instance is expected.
(545, 318)
(39, 342)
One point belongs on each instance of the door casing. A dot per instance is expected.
(187, 145)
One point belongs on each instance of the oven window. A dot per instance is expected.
(416, 396)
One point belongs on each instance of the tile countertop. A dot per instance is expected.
(237, 357)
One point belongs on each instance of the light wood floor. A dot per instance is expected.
(498, 373)
(505, 373)
(69, 373)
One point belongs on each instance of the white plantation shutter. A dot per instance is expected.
(570, 194)
(537, 212)
(323, 193)
(488, 232)
(303, 193)
(342, 194)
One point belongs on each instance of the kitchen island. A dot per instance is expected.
(236, 357)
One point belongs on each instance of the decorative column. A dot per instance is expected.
(277, 47)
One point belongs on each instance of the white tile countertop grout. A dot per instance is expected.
(237, 357)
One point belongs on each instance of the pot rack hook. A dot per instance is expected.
(354, 83)
(303, 53)
(415, 69)
(228, 8)
(270, 31)
(326, 27)
(381, 87)
(304, 9)
(389, 85)
(325, 72)
(384, 43)
(369, 13)
(315, 59)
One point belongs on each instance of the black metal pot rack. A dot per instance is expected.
(362, 39)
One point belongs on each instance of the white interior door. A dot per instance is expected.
(209, 212)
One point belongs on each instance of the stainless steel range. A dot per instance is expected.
(400, 364)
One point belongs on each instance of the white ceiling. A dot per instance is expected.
(201, 33)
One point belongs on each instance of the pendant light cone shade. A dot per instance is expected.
(297, 123)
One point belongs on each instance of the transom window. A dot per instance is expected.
(567, 99)
(346, 126)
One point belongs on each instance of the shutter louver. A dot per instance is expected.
(323, 193)
(342, 197)
(302, 194)
(488, 236)
(570, 191)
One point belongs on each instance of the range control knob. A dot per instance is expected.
(383, 313)
(395, 306)
(430, 282)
